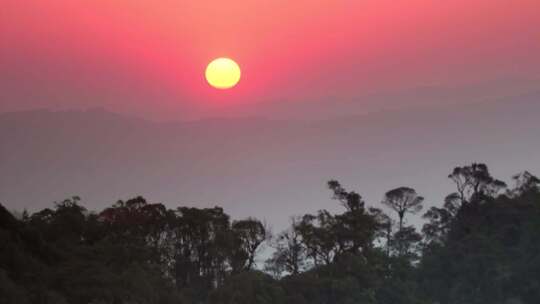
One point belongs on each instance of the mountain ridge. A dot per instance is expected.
(231, 162)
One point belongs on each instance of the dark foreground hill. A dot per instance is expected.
(481, 246)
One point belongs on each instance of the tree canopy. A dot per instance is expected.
(481, 244)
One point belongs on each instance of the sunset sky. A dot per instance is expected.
(370, 92)
(147, 58)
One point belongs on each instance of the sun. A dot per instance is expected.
(223, 73)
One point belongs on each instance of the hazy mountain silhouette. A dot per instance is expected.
(257, 166)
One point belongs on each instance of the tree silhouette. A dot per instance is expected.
(440, 219)
(248, 234)
(403, 200)
(290, 253)
(474, 182)
(525, 183)
(479, 247)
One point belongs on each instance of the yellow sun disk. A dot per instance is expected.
(222, 73)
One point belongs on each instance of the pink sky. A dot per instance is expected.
(148, 57)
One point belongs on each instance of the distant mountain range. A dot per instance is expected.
(267, 168)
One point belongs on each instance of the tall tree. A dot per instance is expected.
(290, 254)
(201, 240)
(474, 182)
(384, 232)
(248, 236)
(350, 200)
(318, 237)
(403, 200)
(356, 228)
(440, 218)
(525, 182)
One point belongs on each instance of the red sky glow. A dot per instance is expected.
(148, 57)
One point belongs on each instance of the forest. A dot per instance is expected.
(479, 245)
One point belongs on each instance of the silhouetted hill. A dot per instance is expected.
(256, 166)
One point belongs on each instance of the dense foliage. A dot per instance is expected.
(481, 246)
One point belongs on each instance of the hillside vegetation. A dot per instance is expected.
(480, 245)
